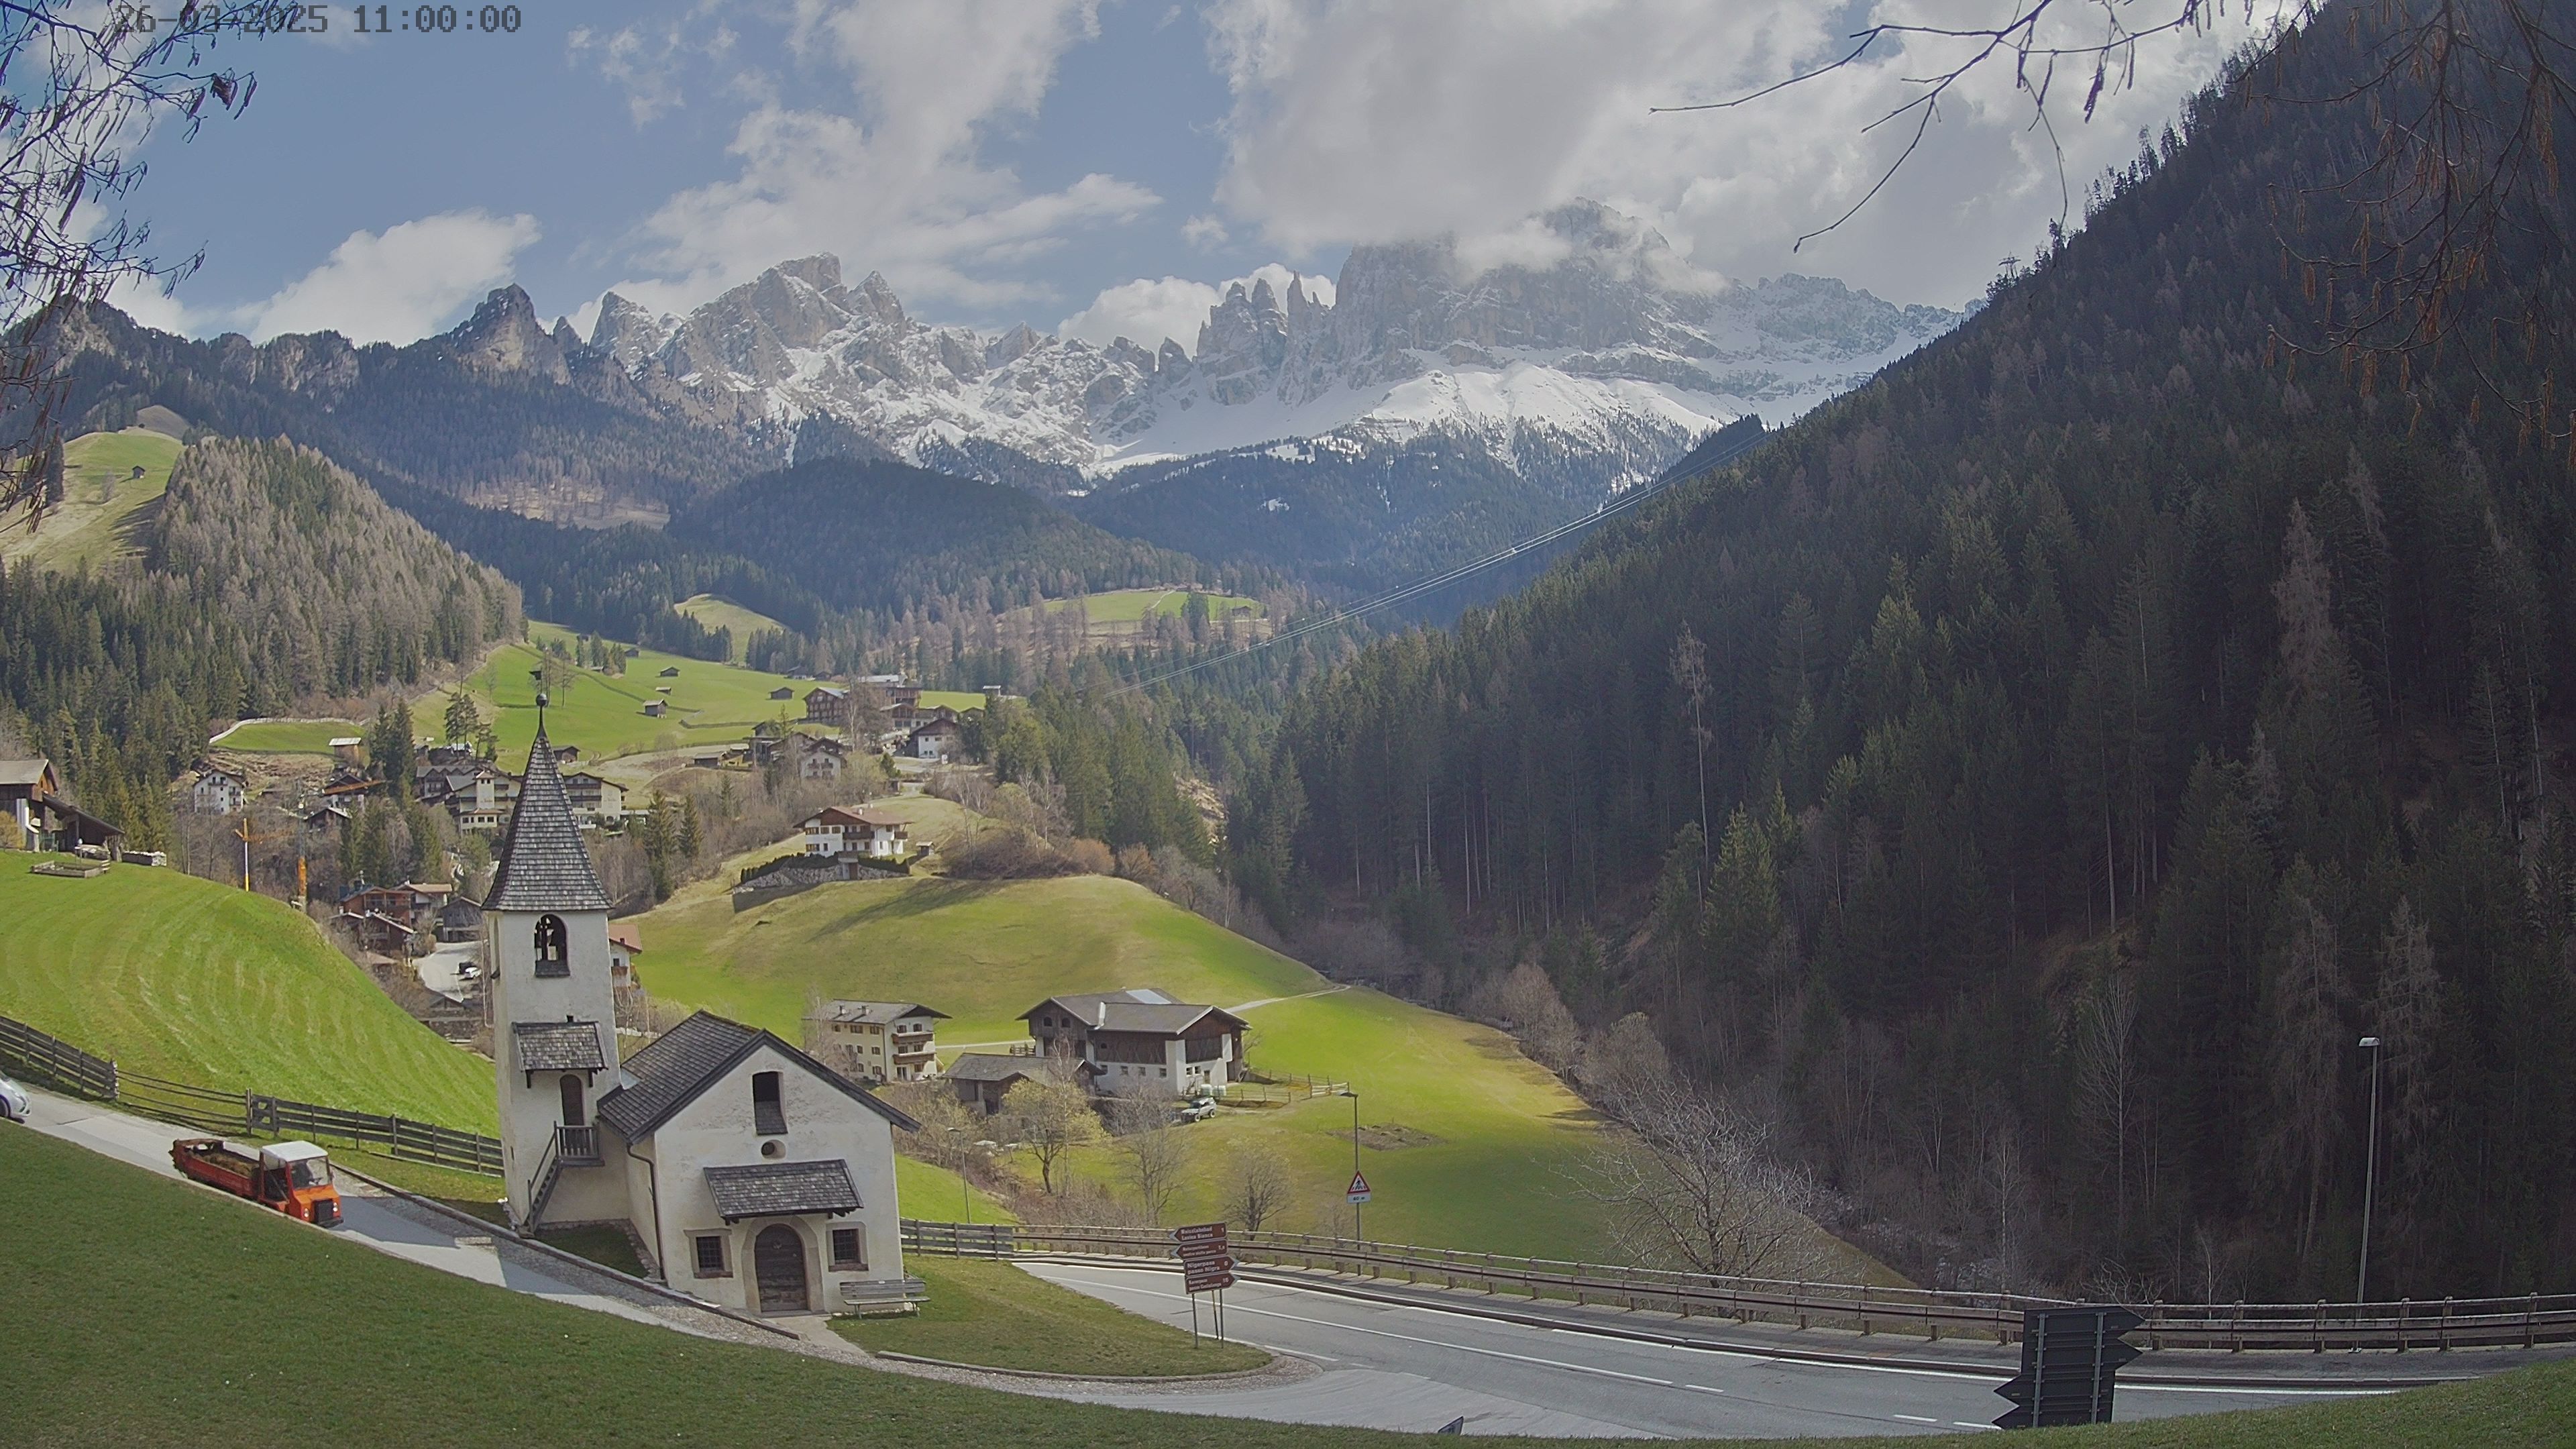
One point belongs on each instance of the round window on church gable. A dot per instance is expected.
(553, 947)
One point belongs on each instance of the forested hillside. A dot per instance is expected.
(2103, 720)
(883, 536)
(271, 578)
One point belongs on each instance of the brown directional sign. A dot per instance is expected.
(1206, 1275)
(1200, 1233)
(1202, 1252)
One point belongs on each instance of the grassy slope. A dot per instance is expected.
(984, 1312)
(984, 952)
(169, 1315)
(1130, 606)
(101, 501)
(287, 736)
(711, 703)
(716, 613)
(182, 978)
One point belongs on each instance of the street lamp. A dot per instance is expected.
(965, 1191)
(2370, 1175)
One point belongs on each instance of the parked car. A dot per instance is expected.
(13, 1100)
(1198, 1110)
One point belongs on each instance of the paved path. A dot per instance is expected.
(1275, 1000)
(1382, 1351)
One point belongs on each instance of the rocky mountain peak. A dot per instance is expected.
(504, 336)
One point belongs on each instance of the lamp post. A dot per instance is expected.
(1356, 1238)
(2370, 1175)
(965, 1190)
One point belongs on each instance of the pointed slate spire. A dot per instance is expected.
(544, 865)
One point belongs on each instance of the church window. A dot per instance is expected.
(710, 1252)
(849, 1249)
(768, 1113)
(553, 947)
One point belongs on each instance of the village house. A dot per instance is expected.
(484, 799)
(828, 705)
(349, 752)
(600, 801)
(1140, 1040)
(326, 820)
(24, 784)
(625, 943)
(782, 692)
(218, 791)
(982, 1079)
(820, 757)
(657, 707)
(757, 1178)
(937, 739)
(836, 832)
(879, 1041)
(670, 671)
(392, 919)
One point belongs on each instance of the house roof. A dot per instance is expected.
(836, 815)
(827, 691)
(931, 726)
(25, 772)
(1142, 1010)
(877, 1012)
(989, 1067)
(558, 1046)
(782, 1189)
(628, 935)
(683, 1062)
(544, 866)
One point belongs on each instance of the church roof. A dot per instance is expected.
(558, 1046)
(778, 1189)
(680, 1064)
(544, 865)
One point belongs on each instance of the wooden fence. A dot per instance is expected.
(30, 1053)
(1864, 1308)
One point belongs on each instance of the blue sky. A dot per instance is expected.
(1109, 161)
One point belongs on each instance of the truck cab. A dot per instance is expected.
(295, 1178)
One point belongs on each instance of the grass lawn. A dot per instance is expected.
(989, 1313)
(168, 1315)
(716, 613)
(710, 702)
(104, 506)
(1133, 606)
(960, 700)
(1510, 1135)
(931, 1191)
(185, 979)
(288, 736)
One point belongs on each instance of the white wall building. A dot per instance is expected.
(755, 1177)
(838, 832)
(219, 791)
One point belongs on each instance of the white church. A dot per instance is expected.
(759, 1179)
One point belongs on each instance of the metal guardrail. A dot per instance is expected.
(56, 1063)
(2524, 1322)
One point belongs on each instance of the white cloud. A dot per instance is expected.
(1149, 310)
(1205, 233)
(1370, 120)
(899, 184)
(646, 62)
(399, 284)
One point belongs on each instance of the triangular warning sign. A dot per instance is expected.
(1359, 1188)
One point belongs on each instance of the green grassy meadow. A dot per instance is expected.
(710, 702)
(181, 978)
(991, 1313)
(287, 736)
(170, 1315)
(720, 613)
(103, 504)
(1134, 606)
(960, 700)
(1510, 1136)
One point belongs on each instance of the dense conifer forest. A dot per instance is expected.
(271, 579)
(2025, 779)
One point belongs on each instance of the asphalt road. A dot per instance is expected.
(1610, 1383)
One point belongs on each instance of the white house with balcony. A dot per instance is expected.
(878, 1041)
(756, 1177)
(836, 832)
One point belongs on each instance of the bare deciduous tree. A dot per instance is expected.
(1049, 1118)
(2106, 1078)
(1152, 1147)
(86, 85)
(1256, 1190)
(1693, 1182)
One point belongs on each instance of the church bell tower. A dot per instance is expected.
(554, 1023)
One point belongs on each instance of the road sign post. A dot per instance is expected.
(2069, 1358)
(1207, 1266)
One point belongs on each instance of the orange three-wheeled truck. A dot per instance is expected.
(292, 1177)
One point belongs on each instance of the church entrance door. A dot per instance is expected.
(778, 1260)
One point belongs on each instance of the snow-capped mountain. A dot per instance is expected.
(1599, 342)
